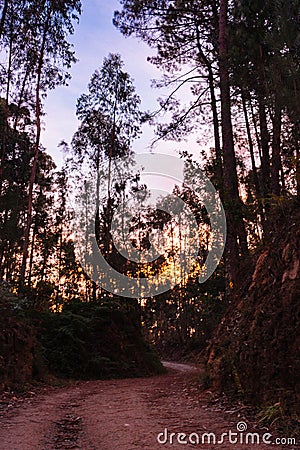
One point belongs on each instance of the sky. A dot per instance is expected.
(94, 38)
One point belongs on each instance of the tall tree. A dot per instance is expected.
(110, 120)
(49, 22)
(236, 229)
(265, 36)
(202, 40)
(109, 114)
(185, 35)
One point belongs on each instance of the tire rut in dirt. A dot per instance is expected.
(65, 433)
(67, 429)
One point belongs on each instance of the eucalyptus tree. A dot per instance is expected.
(43, 236)
(110, 120)
(109, 114)
(50, 54)
(11, 61)
(15, 176)
(35, 57)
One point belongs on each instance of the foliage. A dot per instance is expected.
(269, 415)
(85, 341)
(98, 340)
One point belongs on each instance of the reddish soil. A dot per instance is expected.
(123, 415)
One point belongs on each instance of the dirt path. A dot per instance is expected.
(123, 415)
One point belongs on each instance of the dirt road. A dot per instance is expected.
(124, 415)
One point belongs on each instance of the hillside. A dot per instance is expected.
(85, 341)
(255, 352)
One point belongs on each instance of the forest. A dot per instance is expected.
(231, 70)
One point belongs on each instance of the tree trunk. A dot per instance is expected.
(235, 224)
(204, 59)
(20, 99)
(35, 158)
(45, 257)
(254, 169)
(3, 247)
(262, 94)
(276, 160)
(296, 133)
(59, 267)
(6, 110)
(258, 142)
(251, 146)
(216, 130)
(3, 17)
(31, 255)
(264, 141)
(298, 170)
(30, 192)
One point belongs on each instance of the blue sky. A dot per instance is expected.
(95, 37)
